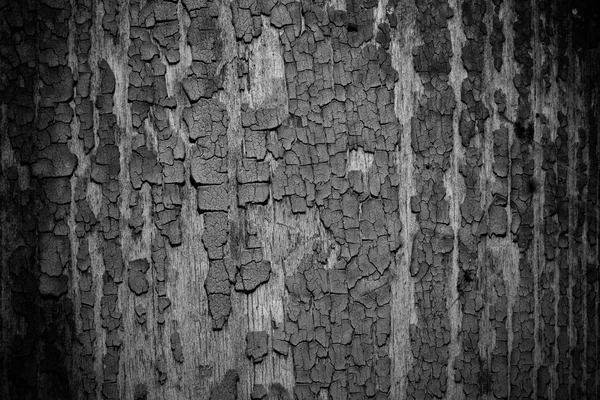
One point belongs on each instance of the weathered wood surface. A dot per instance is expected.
(280, 199)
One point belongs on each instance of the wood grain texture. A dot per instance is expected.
(283, 199)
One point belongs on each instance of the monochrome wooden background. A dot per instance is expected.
(279, 199)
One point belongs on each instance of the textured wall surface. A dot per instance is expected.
(280, 199)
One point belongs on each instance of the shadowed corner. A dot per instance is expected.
(40, 352)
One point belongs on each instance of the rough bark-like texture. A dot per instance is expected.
(282, 199)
